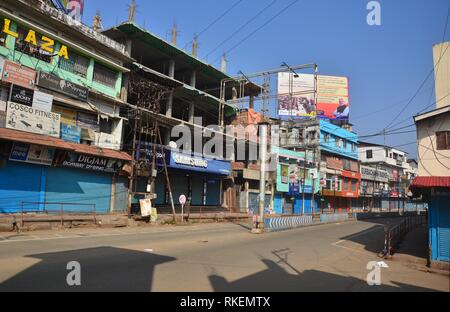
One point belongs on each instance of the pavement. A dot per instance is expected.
(208, 257)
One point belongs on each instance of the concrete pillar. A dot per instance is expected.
(169, 105)
(171, 68)
(193, 79)
(191, 112)
(251, 103)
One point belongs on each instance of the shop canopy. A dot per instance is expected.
(31, 138)
(431, 182)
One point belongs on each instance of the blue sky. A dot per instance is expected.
(385, 64)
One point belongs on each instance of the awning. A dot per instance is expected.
(31, 138)
(430, 182)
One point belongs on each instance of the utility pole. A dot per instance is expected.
(259, 224)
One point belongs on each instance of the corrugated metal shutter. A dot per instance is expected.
(197, 183)
(20, 182)
(121, 195)
(78, 187)
(213, 192)
(444, 229)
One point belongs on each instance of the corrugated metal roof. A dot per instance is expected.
(429, 182)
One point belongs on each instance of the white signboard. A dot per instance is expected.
(42, 101)
(106, 140)
(24, 118)
(146, 207)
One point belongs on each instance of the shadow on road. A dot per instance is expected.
(275, 278)
(102, 269)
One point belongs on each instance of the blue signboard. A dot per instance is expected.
(296, 189)
(19, 152)
(70, 133)
(194, 163)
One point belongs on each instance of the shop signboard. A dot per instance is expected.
(70, 133)
(195, 163)
(42, 101)
(88, 121)
(30, 153)
(24, 118)
(18, 74)
(90, 162)
(22, 95)
(66, 87)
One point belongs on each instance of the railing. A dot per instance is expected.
(394, 235)
(61, 210)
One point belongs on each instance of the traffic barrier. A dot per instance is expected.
(284, 223)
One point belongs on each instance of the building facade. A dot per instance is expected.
(60, 128)
(339, 169)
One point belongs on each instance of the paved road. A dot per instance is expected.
(208, 257)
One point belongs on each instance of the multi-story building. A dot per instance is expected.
(339, 169)
(392, 164)
(433, 152)
(60, 128)
(192, 101)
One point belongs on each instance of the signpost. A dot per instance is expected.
(182, 200)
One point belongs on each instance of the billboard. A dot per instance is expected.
(296, 96)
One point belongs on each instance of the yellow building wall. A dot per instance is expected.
(442, 73)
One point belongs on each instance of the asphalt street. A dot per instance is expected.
(207, 257)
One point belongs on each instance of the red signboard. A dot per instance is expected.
(19, 75)
(351, 175)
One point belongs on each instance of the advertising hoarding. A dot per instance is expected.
(24, 118)
(22, 95)
(296, 96)
(42, 101)
(70, 133)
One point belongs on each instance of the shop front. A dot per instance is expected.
(198, 178)
(43, 174)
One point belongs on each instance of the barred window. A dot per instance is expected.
(104, 75)
(75, 64)
(443, 140)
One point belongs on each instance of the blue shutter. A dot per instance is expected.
(443, 232)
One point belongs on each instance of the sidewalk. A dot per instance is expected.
(413, 251)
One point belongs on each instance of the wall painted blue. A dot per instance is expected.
(20, 182)
(277, 203)
(439, 228)
(336, 132)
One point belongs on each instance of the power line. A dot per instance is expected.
(216, 20)
(424, 82)
(259, 28)
(241, 28)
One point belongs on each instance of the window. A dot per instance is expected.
(345, 186)
(443, 140)
(76, 64)
(345, 144)
(369, 154)
(338, 142)
(326, 138)
(353, 147)
(31, 49)
(3, 36)
(104, 75)
(353, 185)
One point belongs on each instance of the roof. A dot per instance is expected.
(430, 182)
(166, 47)
(38, 139)
(432, 113)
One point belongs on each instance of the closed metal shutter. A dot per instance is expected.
(74, 186)
(443, 229)
(20, 182)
